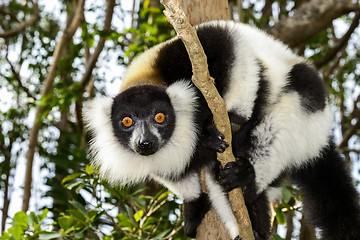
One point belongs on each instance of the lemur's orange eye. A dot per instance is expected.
(159, 117)
(127, 121)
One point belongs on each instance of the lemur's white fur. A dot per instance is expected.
(251, 46)
(187, 188)
(121, 165)
(284, 128)
(280, 142)
(286, 122)
(221, 204)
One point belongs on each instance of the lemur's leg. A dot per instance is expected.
(194, 212)
(196, 203)
(257, 204)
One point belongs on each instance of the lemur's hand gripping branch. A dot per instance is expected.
(203, 81)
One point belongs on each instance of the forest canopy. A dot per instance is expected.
(56, 55)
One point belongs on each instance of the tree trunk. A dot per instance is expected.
(306, 232)
(199, 11)
(289, 224)
(209, 228)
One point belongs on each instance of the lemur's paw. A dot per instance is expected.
(214, 139)
(236, 174)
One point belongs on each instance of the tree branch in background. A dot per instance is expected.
(91, 61)
(356, 111)
(5, 150)
(68, 33)
(341, 44)
(18, 78)
(349, 133)
(203, 81)
(331, 68)
(311, 18)
(100, 46)
(266, 13)
(21, 27)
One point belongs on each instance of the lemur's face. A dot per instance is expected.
(143, 119)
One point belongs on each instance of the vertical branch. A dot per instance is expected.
(6, 151)
(203, 81)
(100, 46)
(239, 4)
(68, 33)
(90, 62)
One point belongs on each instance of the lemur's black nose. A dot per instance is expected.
(145, 144)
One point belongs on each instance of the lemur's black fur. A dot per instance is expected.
(279, 114)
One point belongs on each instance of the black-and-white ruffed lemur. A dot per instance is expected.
(159, 127)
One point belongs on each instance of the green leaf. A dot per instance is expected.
(89, 169)
(65, 222)
(286, 194)
(21, 218)
(138, 215)
(280, 216)
(6, 236)
(16, 231)
(43, 215)
(91, 214)
(124, 220)
(78, 215)
(276, 237)
(70, 186)
(32, 218)
(70, 177)
(79, 206)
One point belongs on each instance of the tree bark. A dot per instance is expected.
(289, 224)
(6, 152)
(209, 229)
(306, 232)
(311, 18)
(199, 11)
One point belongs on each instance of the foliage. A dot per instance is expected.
(110, 213)
(28, 226)
(81, 205)
(152, 28)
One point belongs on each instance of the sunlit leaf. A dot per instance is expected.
(138, 215)
(280, 216)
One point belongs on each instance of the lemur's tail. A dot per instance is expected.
(329, 190)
